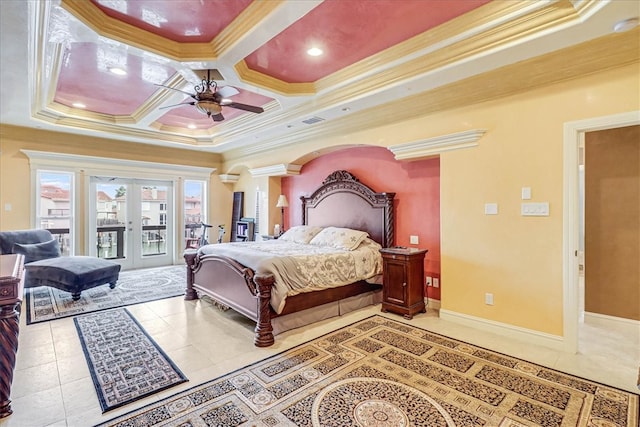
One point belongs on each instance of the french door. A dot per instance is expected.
(132, 221)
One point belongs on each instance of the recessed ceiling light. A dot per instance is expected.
(314, 51)
(118, 71)
(192, 126)
(79, 105)
(626, 25)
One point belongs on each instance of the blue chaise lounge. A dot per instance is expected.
(45, 267)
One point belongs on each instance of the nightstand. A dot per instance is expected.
(403, 281)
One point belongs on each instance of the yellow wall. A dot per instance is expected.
(270, 215)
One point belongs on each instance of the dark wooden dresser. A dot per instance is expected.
(11, 288)
(403, 281)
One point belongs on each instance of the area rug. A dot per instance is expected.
(125, 363)
(380, 372)
(133, 287)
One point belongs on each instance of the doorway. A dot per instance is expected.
(574, 136)
(612, 223)
(131, 221)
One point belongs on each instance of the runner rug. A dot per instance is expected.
(134, 287)
(125, 363)
(380, 372)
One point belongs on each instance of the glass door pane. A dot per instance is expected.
(111, 201)
(133, 221)
(154, 220)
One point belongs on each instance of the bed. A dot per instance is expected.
(341, 201)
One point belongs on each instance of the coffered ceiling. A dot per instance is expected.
(380, 60)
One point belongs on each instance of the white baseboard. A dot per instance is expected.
(588, 315)
(528, 335)
(432, 303)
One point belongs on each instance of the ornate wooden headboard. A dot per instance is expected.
(343, 201)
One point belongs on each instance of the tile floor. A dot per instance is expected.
(52, 385)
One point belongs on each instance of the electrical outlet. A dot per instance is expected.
(488, 299)
(427, 280)
(436, 282)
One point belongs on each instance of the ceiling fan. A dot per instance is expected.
(209, 99)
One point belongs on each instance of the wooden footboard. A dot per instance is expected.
(234, 285)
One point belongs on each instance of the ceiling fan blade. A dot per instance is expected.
(177, 90)
(176, 105)
(228, 91)
(217, 117)
(244, 107)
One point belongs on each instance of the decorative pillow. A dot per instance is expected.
(300, 233)
(37, 251)
(339, 238)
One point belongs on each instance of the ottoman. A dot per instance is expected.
(72, 274)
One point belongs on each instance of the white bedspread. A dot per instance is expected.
(301, 267)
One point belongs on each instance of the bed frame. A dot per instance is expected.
(340, 201)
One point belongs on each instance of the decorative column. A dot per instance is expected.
(11, 289)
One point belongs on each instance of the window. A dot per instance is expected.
(163, 207)
(194, 205)
(163, 219)
(54, 210)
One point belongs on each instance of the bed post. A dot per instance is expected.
(190, 258)
(264, 330)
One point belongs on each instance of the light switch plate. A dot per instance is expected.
(526, 193)
(534, 209)
(413, 240)
(491, 209)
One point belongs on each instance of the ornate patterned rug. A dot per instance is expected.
(380, 372)
(125, 363)
(133, 287)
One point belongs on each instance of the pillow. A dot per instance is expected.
(300, 233)
(37, 251)
(339, 238)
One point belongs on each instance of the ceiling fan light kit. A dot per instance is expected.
(209, 100)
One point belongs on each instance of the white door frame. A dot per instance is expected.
(573, 137)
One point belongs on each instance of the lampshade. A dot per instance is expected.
(282, 202)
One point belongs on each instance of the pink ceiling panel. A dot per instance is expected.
(347, 32)
(184, 21)
(85, 78)
(182, 117)
(185, 115)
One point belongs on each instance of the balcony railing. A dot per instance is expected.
(110, 240)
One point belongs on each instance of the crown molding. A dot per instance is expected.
(259, 79)
(227, 178)
(95, 164)
(437, 145)
(283, 169)
(250, 18)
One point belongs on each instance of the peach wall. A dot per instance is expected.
(416, 184)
